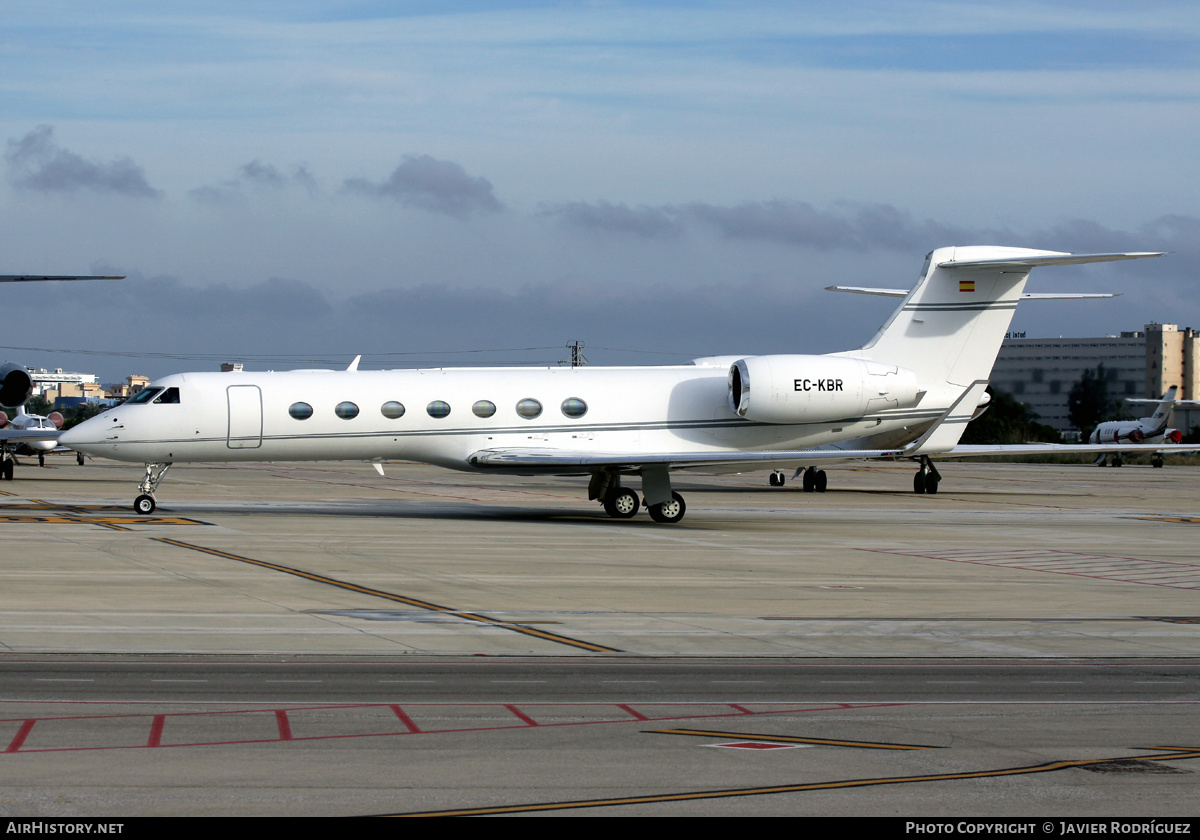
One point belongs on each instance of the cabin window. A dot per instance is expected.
(529, 408)
(484, 408)
(168, 397)
(346, 410)
(439, 409)
(300, 410)
(392, 410)
(144, 396)
(574, 407)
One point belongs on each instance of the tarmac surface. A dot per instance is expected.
(317, 639)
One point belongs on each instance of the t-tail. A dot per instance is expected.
(949, 328)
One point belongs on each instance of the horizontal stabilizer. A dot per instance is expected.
(899, 293)
(40, 278)
(1054, 259)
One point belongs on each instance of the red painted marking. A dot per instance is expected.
(632, 711)
(21, 735)
(741, 709)
(521, 714)
(1077, 564)
(285, 729)
(405, 719)
(156, 729)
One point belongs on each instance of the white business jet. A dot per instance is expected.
(1148, 431)
(908, 393)
(33, 431)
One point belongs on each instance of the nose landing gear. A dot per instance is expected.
(144, 503)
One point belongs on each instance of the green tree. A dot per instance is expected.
(1008, 421)
(1089, 403)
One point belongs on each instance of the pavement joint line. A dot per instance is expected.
(379, 593)
(1048, 767)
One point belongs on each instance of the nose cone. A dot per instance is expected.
(78, 437)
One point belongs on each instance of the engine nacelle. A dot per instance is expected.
(1175, 436)
(16, 386)
(816, 389)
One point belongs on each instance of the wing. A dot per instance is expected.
(23, 435)
(568, 462)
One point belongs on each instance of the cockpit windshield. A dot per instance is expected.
(144, 396)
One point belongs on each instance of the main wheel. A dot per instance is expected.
(820, 482)
(1117, 461)
(931, 484)
(41, 459)
(1157, 463)
(622, 503)
(144, 504)
(809, 482)
(671, 511)
(79, 458)
(7, 470)
(776, 479)
(919, 482)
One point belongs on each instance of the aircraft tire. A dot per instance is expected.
(669, 512)
(622, 503)
(144, 504)
(1157, 463)
(1116, 462)
(776, 479)
(919, 482)
(931, 485)
(79, 458)
(7, 471)
(820, 481)
(809, 480)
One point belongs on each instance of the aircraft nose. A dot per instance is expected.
(77, 436)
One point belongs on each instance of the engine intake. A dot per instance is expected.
(15, 385)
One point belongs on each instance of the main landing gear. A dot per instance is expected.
(927, 477)
(7, 462)
(144, 503)
(623, 503)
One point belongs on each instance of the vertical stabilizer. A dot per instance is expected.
(949, 328)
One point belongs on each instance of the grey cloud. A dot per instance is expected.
(856, 227)
(438, 186)
(646, 222)
(256, 175)
(36, 162)
(846, 226)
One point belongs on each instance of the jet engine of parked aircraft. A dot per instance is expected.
(814, 389)
(16, 386)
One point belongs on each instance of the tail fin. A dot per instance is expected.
(1158, 419)
(949, 328)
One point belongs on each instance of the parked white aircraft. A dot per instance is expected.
(908, 393)
(1144, 432)
(16, 386)
(33, 432)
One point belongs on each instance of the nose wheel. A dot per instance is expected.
(144, 503)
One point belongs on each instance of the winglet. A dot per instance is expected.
(354, 364)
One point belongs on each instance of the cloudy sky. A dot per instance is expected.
(295, 183)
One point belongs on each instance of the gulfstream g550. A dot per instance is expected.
(908, 393)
